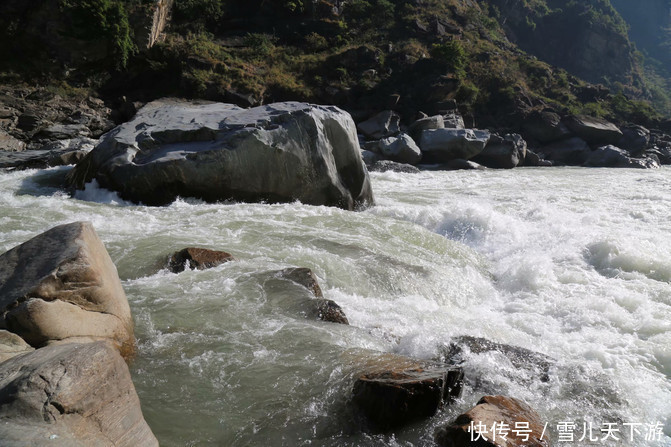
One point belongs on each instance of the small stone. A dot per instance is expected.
(197, 259)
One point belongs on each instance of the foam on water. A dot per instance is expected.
(571, 263)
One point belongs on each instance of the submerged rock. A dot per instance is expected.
(212, 151)
(319, 307)
(198, 259)
(399, 390)
(441, 145)
(525, 428)
(71, 395)
(62, 285)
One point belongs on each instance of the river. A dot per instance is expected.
(572, 263)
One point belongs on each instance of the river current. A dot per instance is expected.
(572, 263)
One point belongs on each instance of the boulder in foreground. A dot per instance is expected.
(63, 286)
(70, 395)
(500, 410)
(400, 391)
(212, 151)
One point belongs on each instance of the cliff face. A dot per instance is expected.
(588, 38)
(649, 22)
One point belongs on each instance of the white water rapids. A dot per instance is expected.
(569, 262)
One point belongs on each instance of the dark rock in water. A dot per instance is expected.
(535, 363)
(441, 145)
(391, 397)
(62, 286)
(458, 164)
(498, 410)
(503, 152)
(369, 157)
(71, 395)
(320, 307)
(329, 310)
(545, 127)
(384, 124)
(593, 130)
(634, 138)
(574, 151)
(274, 153)
(197, 259)
(614, 157)
(387, 165)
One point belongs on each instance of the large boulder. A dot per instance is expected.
(635, 138)
(398, 390)
(62, 285)
(573, 151)
(425, 123)
(74, 395)
(613, 157)
(504, 152)
(441, 145)
(475, 427)
(276, 153)
(401, 149)
(593, 130)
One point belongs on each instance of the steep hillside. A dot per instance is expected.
(497, 60)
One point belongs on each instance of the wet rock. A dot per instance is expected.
(545, 126)
(384, 124)
(574, 151)
(441, 145)
(319, 307)
(401, 149)
(57, 153)
(62, 285)
(73, 395)
(614, 157)
(369, 157)
(593, 130)
(387, 165)
(212, 151)
(399, 392)
(504, 152)
(197, 259)
(500, 410)
(536, 364)
(12, 345)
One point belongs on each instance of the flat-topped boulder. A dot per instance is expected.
(70, 395)
(62, 286)
(593, 130)
(280, 152)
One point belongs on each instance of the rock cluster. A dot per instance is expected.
(65, 330)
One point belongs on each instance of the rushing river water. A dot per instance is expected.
(571, 263)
